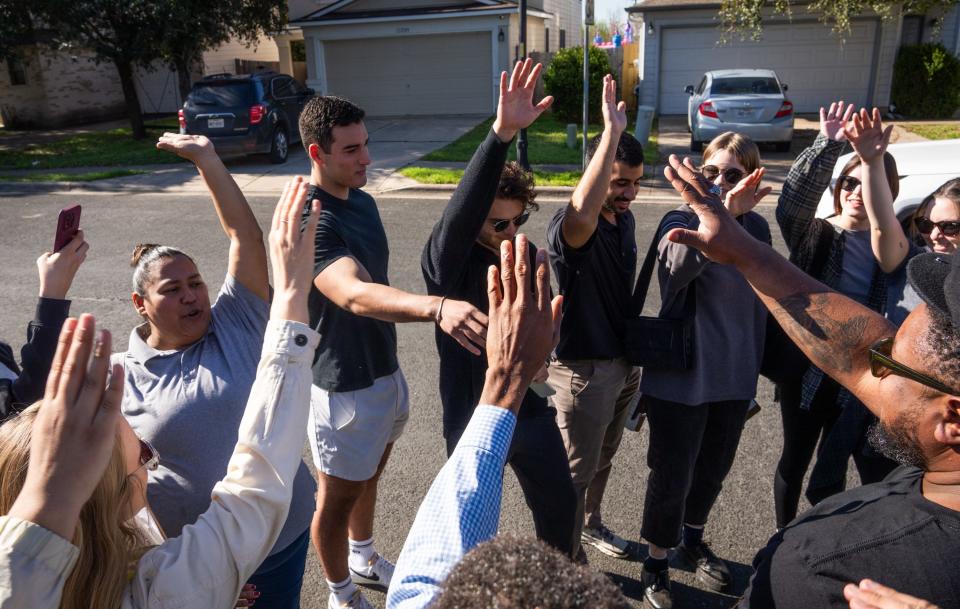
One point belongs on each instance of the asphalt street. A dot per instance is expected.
(742, 520)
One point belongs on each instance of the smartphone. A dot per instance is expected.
(67, 226)
(753, 409)
(542, 389)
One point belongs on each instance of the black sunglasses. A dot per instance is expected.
(848, 183)
(501, 225)
(950, 228)
(881, 365)
(730, 176)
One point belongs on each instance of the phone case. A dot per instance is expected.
(67, 226)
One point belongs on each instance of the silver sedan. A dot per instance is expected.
(749, 102)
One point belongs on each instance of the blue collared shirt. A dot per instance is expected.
(461, 509)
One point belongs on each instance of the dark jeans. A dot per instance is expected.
(279, 578)
(539, 461)
(691, 452)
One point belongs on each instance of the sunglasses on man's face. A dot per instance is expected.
(949, 228)
(848, 183)
(730, 176)
(882, 365)
(501, 225)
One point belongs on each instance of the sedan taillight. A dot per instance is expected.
(257, 113)
(182, 121)
(786, 109)
(707, 109)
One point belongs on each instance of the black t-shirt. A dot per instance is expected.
(353, 351)
(887, 532)
(596, 281)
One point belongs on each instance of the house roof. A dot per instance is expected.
(654, 6)
(329, 13)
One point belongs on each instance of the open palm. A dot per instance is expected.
(867, 134)
(747, 193)
(516, 109)
(833, 120)
(614, 114)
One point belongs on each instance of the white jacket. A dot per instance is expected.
(207, 565)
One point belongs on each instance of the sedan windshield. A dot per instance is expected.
(744, 85)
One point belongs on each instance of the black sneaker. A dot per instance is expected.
(656, 589)
(711, 571)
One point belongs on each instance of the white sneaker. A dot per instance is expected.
(356, 602)
(606, 541)
(377, 574)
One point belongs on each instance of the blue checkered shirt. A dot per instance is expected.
(461, 509)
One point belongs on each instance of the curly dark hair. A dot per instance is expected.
(321, 115)
(517, 183)
(516, 572)
(942, 342)
(629, 150)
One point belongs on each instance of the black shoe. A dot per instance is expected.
(711, 571)
(656, 589)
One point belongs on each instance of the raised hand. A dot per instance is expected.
(75, 431)
(291, 252)
(832, 121)
(524, 324)
(867, 135)
(465, 323)
(614, 114)
(516, 110)
(746, 194)
(57, 270)
(194, 148)
(871, 595)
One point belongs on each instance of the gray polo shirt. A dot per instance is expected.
(188, 403)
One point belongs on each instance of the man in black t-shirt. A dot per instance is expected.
(360, 399)
(905, 531)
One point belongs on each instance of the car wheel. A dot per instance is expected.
(782, 146)
(695, 146)
(279, 146)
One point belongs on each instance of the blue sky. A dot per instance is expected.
(603, 8)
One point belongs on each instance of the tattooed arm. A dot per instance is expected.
(834, 331)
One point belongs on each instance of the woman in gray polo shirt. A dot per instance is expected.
(190, 366)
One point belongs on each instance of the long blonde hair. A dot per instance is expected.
(109, 547)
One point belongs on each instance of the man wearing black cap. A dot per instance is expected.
(905, 530)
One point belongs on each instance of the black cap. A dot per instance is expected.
(936, 278)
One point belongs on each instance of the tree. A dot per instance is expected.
(15, 27)
(745, 17)
(194, 26)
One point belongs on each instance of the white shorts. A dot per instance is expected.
(349, 430)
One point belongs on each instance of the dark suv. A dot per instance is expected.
(246, 114)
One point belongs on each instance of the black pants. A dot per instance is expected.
(803, 430)
(691, 452)
(539, 460)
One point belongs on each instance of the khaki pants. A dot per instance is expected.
(591, 401)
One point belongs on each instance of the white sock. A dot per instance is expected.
(361, 553)
(342, 591)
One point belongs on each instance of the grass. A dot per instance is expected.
(944, 131)
(89, 176)
(432, 175)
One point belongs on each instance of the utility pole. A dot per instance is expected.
(522, 138)
(587, 22)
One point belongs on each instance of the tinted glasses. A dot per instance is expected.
(149, 457)
(501, 225)
(950, 228)
(881, 365)
(730, 176)
(848, 183)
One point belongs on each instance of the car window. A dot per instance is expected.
(283, 87)
(703, 84)
(298, 88)
(741, 85)
(222, 94)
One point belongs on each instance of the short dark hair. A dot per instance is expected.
(517, 183)
(629, 150)
(943, 342)
(321, 115)
(516, 572)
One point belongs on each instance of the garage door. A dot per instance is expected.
(805, 56)
(413, 75)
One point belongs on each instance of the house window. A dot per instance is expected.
(18, 75)
(546, 37)
(563, 39)
(912, 30)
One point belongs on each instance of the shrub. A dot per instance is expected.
(926, 81)
(563, 80)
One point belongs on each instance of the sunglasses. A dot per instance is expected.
(730, 176)
(501, 225)
(848, 183)
(149, 457)
(949, 228)
(882, 365)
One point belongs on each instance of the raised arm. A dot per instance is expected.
(583, 211)
(454, 235)
(247, 261)
(810, 175)
(869, 139)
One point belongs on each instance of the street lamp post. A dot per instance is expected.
(522, 138)
(587, 22)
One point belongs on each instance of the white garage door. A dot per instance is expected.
(805, 56)
(413, 75)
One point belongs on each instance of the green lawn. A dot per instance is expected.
(89, 176)
(944, 131)
(431, 175)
